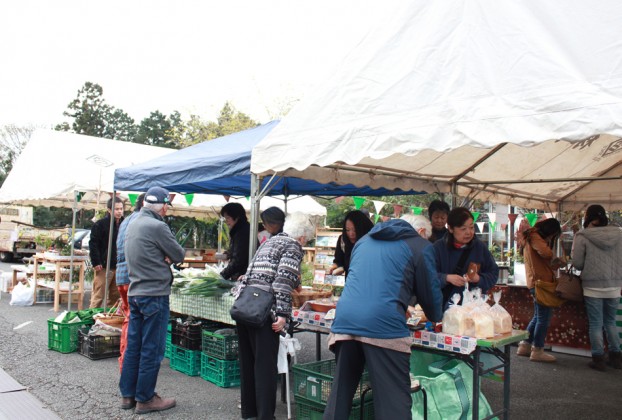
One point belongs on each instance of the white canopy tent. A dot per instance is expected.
(56, 164)
(510, 102)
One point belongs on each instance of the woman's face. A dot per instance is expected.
(350, 231)
(272, 228)
(439, 219)
(463, 234)
(230, 221)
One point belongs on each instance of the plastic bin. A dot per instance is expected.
(97, 347)
(185, 361)
(224, 347)
(314, 381)
(224, 373)
(64, 337)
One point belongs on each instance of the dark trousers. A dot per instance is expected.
(259, 350)
(388, 372)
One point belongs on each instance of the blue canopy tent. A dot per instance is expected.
(222, 166)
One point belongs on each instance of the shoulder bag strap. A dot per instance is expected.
(459, 269)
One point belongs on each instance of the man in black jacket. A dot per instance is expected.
(98, 249)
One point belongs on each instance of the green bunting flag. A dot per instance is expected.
(376, 217)
(493, 226)
(133, 198)
(417, 210)
(79, 195)
(475, 215)
(358, 202)
(532, 218)
(189, 198)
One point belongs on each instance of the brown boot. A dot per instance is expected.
(524, 349)
(128, 402)
(157, 403)
(615, 360)
(538, 355)
(598, 363)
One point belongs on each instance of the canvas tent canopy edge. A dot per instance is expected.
(515, 103)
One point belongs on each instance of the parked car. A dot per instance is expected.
(81, 239)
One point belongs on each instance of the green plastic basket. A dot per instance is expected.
(310, 410)
(314, 381)
(167, 350)
(64, 337)
(185, 361)
(223, 347)
(224, 373)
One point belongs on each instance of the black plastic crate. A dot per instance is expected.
(189, 335)
(97, 347)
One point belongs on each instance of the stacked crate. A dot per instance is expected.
(312, 386)
(167, 350)
(185, 352)
(219, 359)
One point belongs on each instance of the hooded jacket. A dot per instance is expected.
(389, 265)
(597, 252)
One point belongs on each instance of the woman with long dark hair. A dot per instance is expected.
(597, 252)
(457, 250)
(540, 264)
(355, 226)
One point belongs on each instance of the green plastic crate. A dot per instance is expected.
(314, 381)
(185, 361)
(64, 337)
(310, 410)
(224, 347)
(167, 350)
(224, 373)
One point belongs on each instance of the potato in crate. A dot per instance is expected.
(97, 347)
(221, 344)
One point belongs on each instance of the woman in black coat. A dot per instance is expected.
(239, 232)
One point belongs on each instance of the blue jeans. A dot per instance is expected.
(601, 314)
(539, 324)
(146, 342)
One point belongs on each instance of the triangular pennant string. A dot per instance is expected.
(493, 226)
(379, 205)
(480, 226)
(338, 199)
(376, 217)
(189, 198)
(475, 215)
(133, 197)
(79, 195)
(358, 202)
(512, 217)
(532, 218)
(417, 210)
(492, 217)
(227, 198)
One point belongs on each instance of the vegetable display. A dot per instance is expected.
(206, 283)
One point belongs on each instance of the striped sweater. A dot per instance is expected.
(277, 263)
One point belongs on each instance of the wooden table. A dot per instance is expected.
(61, 264)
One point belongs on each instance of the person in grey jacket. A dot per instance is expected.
(597, 252)
(150, 247)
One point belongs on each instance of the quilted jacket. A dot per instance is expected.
(597, 252)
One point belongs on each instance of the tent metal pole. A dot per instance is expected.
(252, 246)
(108, 257)
(74, 210)
(454, 195)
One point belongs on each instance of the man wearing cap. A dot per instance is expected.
(150, 248)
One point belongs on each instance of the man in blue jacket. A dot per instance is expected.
(389, 265)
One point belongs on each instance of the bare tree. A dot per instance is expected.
(12, 140)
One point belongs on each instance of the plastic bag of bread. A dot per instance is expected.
(501, 317)
(483, 325)
(456, 319)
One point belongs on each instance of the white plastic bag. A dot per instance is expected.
(23, 295)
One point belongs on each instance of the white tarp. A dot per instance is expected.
(470, 93)
(54, 164)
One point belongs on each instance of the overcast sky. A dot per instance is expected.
(189, 56)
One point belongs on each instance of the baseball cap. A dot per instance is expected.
(158, 195)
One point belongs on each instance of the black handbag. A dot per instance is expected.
(252, 307)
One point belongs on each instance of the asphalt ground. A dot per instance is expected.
(75, 387)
